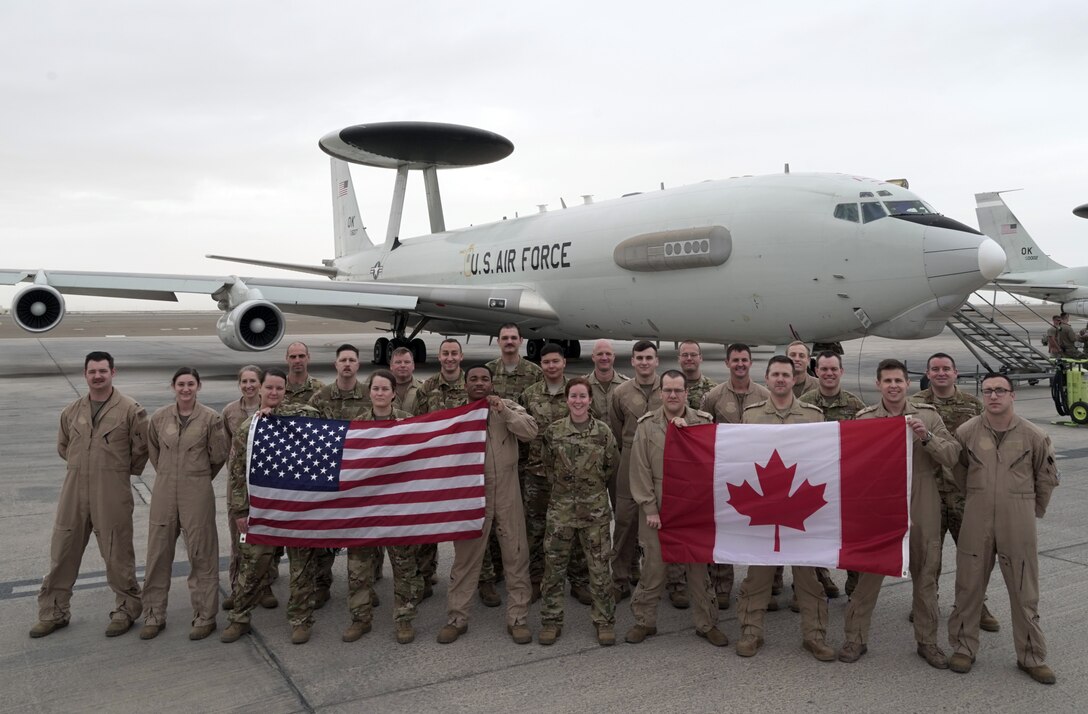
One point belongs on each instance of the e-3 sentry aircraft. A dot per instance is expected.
(763, 259)
(1031, 272)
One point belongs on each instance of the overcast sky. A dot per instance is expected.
(140, 136)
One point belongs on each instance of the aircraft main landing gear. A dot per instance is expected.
(384, 346)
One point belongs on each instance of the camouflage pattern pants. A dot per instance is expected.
(952, 503)
(325, 558)
(427, 560)
(721, 578)
(236, 557)
(536, 494)
(407, 582)
(595, 545)
(253, 571)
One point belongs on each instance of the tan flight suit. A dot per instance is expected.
(234, 415)
(647, 478)
(186, 457)
(627, 403)
(302, 393)
(96, 496)
(505, 512)
(808, 385)
(601, 392)
(331, 402)
(925, 531)
(1007, 488)
(727, 406)
(755, 589)
(407, 403)
(437, 394)
(257, 560)
(511, 384)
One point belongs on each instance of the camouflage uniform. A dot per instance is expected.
(331, 402)
(727, 407)
(509, 385)
(407, 403)
(601, 392)
(844, 406)
(808, 385)
(257, 559)
(954, 411)
(362, 562)
(536, 480)
(302, 393)
(699, 389)
(437, 394)
(578, 460)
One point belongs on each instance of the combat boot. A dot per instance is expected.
(960, 663)
(638, 633)
(199, 632)
(933, 655)
(150, 632)
(374, 601)
(620, 592)
(679, 599)
(606, 635)
(714, 636)
(355, 630)
(234, 631)
(819, 649)
(723, 600)
(46, 627)
(428, 590)
(300, 634)
(118, 627)
(450, 633)
(581, 594)
(321, 596)
(772, 604)
(1041, 673)
(748, 645)
(405, 632)
(489, 595)
(830, 588)
(268, 600)
(988, 622)
(549, 634)
(521, 634)
(852, 651)
(228, 603)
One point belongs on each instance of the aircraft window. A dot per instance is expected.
(908, 208)
(883, 193)
(871, 211)
(847, 212)
(865, 194)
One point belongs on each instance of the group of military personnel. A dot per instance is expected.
(573, 483)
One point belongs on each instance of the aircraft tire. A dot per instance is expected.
(419, 351)
(381, 351)
(532, 349)
(1057, 392)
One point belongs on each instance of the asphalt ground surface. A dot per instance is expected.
(78, 669)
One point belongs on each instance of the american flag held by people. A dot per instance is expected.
(329, 483)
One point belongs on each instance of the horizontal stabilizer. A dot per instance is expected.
(326, 270)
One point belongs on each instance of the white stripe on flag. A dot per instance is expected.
(437, 484)
(416, 427)
(333, 534)
(384, 452)
(814, 449)
(387, 509)
(352, 475)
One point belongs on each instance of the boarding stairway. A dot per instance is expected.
(1004, 346)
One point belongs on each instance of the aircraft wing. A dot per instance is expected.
(294, 295)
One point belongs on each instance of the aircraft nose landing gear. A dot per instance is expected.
(384, 346)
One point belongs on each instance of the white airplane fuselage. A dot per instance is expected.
(791, 266)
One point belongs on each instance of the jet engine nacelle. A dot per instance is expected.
(38, 308)
(253, 326)
(1076, 307)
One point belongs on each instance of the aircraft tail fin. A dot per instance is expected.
(997, 221)
(351, 235)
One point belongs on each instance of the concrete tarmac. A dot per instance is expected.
(78, 669)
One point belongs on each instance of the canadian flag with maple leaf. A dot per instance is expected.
(830, 494)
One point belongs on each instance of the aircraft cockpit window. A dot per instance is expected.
(882, 192)
(908, 208)
(865, 194)
(847, 212)
(872, 211)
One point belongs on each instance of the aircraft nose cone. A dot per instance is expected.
(991, 259)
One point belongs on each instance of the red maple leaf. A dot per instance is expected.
(776, 507)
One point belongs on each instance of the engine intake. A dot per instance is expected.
(1076, 307)
(253, 326)
(38, 308)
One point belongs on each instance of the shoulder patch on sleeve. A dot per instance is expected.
(866, 410)
(644, 417)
